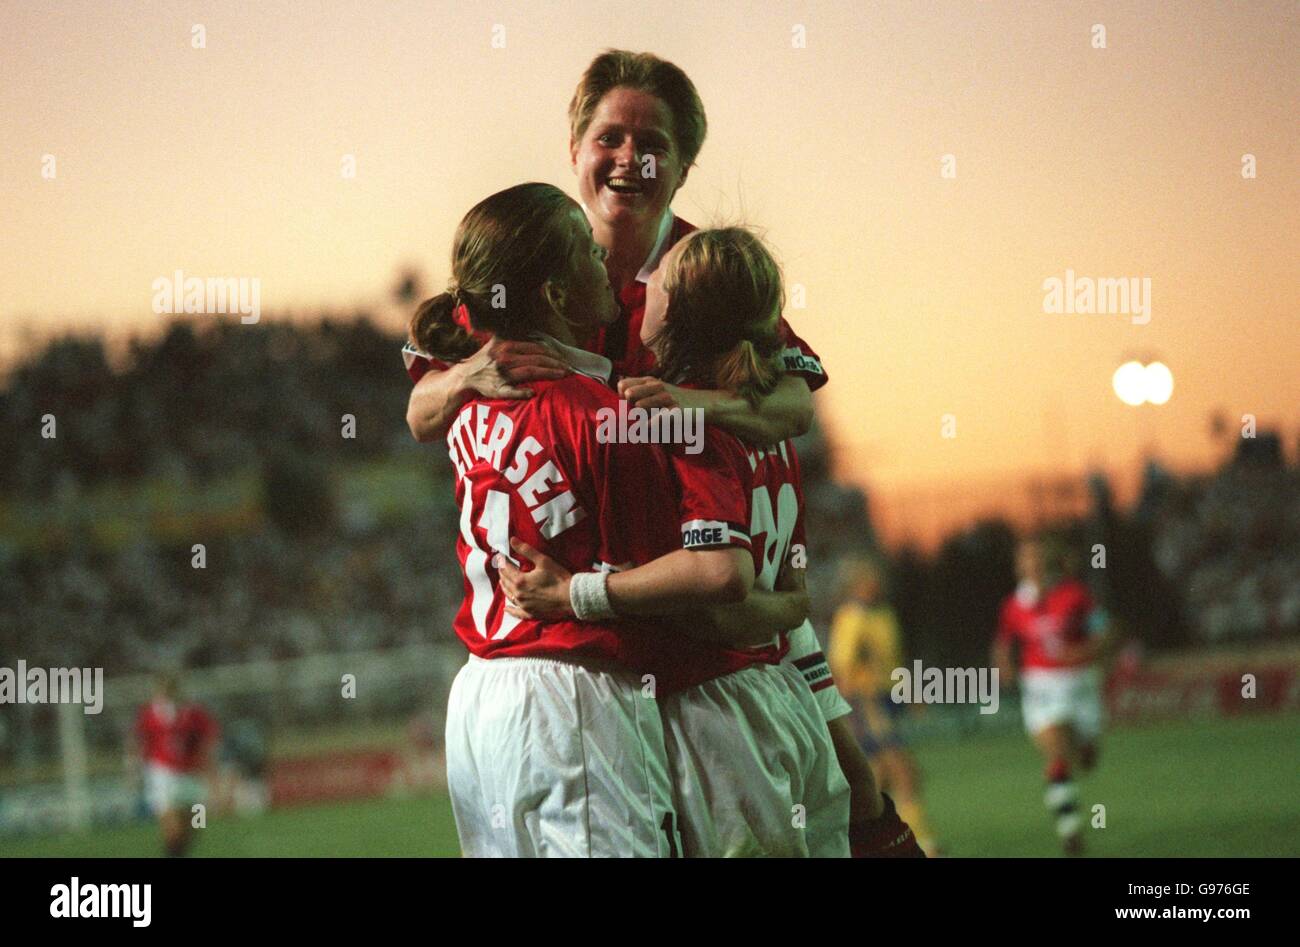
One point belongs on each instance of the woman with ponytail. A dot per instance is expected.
(713, 320)
(553, 747)
(782, 745)
(631, 111)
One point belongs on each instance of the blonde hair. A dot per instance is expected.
(509, 246)
(724, 309)
(648, 73)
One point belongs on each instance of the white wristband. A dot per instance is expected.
(589, 596)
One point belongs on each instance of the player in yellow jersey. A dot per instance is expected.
(864, 649)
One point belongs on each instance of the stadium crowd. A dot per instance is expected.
(312, 573)
(1231, 542)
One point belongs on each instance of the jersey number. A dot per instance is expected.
(776, 523)
(495, 521)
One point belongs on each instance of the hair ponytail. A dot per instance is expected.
(508, 247)
(724, 309)
(435, 332)
(747, 372)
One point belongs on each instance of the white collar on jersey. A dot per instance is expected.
(165, 709)
(410, 353)
(657, 254)
(1028, 593)
(652, 261)
(580, 360)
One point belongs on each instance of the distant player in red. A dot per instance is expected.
(1061, 635)
(175, 740)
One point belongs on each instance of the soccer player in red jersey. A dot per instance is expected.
(552, 747)
(636, 126)
(755, 766)
(1061, 635)
(175, 739)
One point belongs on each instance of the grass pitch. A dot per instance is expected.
(1212, 788)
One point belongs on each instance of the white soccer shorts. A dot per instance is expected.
(1057, 696)
(166, 789)
(754, 768)
(806, 655)
(551, 759)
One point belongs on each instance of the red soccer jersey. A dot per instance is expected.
(621, 342)
(536, 469)
(1047, 625)
(176, 736)
(726, 497)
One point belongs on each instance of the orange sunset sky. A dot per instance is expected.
(924, 294)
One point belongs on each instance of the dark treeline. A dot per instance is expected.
(208, 401)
